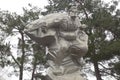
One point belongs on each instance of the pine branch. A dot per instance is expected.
(85, 12)
(104, 67)
(116, 77)
(23, 56)
(105, 71)
(15, 60)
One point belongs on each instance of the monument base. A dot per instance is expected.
(72, 76)
(71, 72)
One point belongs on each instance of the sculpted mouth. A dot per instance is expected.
(48, 40)
(45, 40)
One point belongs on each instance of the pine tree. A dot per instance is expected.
(11, 22)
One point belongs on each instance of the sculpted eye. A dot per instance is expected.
(43, 29)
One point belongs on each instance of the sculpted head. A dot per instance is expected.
(46, 28)
(40, 33)
(72, 9)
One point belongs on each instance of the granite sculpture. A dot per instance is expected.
(63, 35)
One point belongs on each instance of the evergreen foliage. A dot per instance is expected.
(103, 21)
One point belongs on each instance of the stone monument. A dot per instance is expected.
(63, 35)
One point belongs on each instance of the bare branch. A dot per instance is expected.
(15, 60)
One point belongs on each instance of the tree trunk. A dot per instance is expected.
(94, 61)
(35, 51)
(34, 68)
(22, 57)
(97, 71)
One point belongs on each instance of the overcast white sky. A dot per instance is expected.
(16, 6)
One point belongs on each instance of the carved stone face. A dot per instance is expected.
(45, 28)
(73, 11)
(72, 15)
(40, 33)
